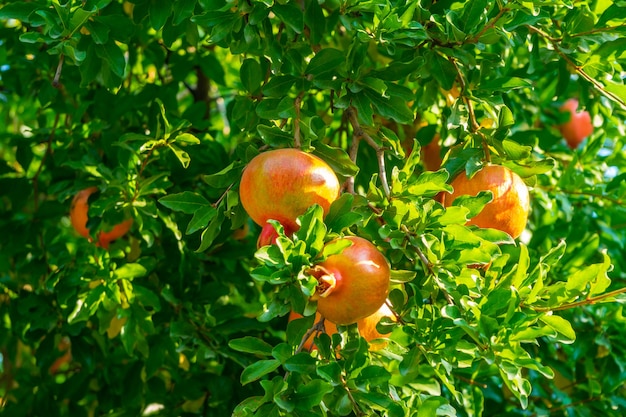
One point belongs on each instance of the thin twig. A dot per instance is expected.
(43, 160)
(57, 74)
(296, 128)
(615, 201)
(579, 69)
(474, 126)
(316, 328)
(353, 153)
(574, 404)
(597, 30)
(586, 301)
(491, 24)
(359, 133)
(399, 319)
(356, 408)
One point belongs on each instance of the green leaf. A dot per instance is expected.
(251, 75)
(201, 218)
(363, 106)
(87, 306)
(505, 84)
(210, 233)
(249, 344)
(302, 363)
(472, 14)
(613, 12)
(442, 70)
(279, 86)
(392, 107)
(248, 406)
(18, 10)
(475, 204)
(113, 56)
(372, 376)
(340, 215)
(187, 202)
(430, 406)
(258, 369)
(337, 158)
(328, 60)
(273, 136)
(310, 395)
(430, 183)
(562, 326)
(181, 155)
(130, 271)
(291, 15)
(224, 177)
(159, 12)
(184, 10)
(187, 138)
(516, 151)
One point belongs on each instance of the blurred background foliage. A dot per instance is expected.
(160, 104)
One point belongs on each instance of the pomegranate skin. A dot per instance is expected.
(508, 211)
(361, 276)
(282, 184)
(79, 215)
(366, 325)
(578, 127)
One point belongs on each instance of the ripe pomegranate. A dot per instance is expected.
(579, 125)
(508, 211)
(281, 185)
(79, 214)
(367, 327)
(352, 284)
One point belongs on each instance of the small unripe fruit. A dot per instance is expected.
(508, 211)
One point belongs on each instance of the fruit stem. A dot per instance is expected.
(316, 328)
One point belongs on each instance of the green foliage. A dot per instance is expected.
(160, 104)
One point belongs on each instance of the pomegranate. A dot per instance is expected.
(281, 185)
(508, 211)
(352, 284)
(79, 214)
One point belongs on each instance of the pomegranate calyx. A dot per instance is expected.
(326, 282)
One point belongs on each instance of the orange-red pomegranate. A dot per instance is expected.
(352, 284)
(508, 211)
(578, 127)
(79, 214)
(281, 185)
(367, 327)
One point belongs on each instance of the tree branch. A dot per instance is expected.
(296, 128)
(473, 125)
(586, 301)
(579, 69)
